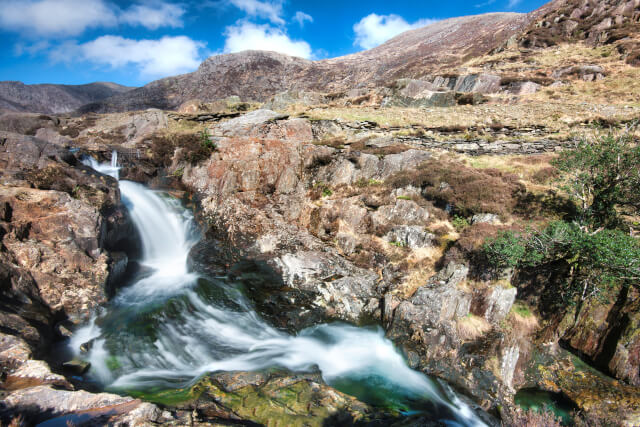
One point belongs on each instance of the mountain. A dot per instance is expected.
(595, 21)
(54, 99)
(258, 75)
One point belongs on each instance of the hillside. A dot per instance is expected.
(53, 99)
(257, 76)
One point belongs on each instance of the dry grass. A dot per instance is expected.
(532, 418)
(467, 190)
(559, 118)
(472, 327)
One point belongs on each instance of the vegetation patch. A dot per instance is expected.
(194, 147)
(464, 190)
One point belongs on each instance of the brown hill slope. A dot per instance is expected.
(259, 75)
(53, 99)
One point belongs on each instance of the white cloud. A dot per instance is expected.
(67, 18)
(154, 58)
(513, 3)
(55, 17)
(153, 14)
(249, 36)
(301, 17)
(373, 30)
(270, 10)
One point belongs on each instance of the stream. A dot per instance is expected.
(171, 326)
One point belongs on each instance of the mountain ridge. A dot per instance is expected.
(258, 75)
(49, 98)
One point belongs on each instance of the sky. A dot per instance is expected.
(135, 42)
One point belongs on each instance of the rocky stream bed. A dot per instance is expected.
(294, 229)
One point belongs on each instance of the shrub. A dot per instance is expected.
(598, 260)
(466, 190)
(602, 175)
(195, 147)
(460, 223)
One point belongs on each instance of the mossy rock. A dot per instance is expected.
(597, 395)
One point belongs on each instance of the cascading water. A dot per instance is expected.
(172, 326)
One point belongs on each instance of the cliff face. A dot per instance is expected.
(53, 99)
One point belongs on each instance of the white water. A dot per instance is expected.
(196, 335)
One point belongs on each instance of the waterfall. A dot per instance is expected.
(171, 326)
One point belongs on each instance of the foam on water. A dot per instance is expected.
(194, 335)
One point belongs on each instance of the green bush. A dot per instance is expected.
(602, 175)
(597, 260)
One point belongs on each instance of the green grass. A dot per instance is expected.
(521, 309)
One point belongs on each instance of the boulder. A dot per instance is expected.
(478, 83)
(411, 236)
(283, 100)
(523, 88)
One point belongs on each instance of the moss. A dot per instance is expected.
(521, 309)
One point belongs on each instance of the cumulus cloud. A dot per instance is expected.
(270, 10)
(67, 18)
(154, 14)
(301, 17)
(373, 29)
(55, 17)
(154, 58)
(250, 36)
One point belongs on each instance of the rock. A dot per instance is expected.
(234, 126)
(34, 373)
(65, 247)
(599, 396)
(404, 212)
(41, 402)
(76, 366)
(286, 399)
(478, 83)
(485, 218)
(523, 88)
(582, 71)
(494, 303)
(508, 362)
(413, 237)
(288, 98)
(341, 290)
(418, 93)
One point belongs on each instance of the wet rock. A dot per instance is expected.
(76, 366)
(43, 402)
(285, 399)
(553, 369)
(33, 373)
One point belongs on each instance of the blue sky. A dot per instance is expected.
(135, 42)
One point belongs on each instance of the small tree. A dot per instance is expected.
(601, 175)
(596, 261)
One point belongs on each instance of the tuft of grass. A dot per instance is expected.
(521, 310)
(472, 327)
